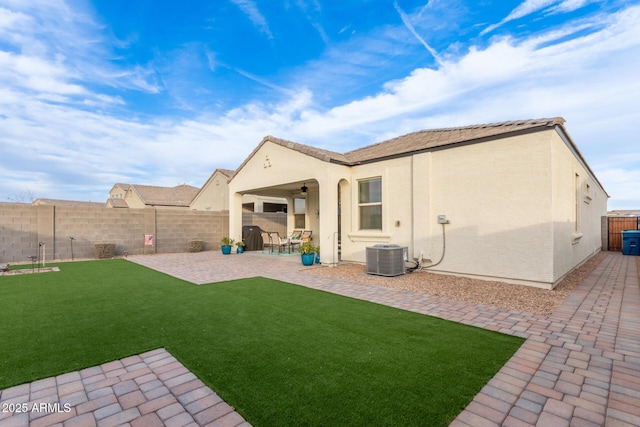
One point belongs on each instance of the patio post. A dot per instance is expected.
(235, 216)
(328, 220)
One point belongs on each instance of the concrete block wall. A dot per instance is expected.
(91, 225)
(18, 232)
(24, 226)
(176, 228)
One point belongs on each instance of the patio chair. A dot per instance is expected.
(280, 242)
(266, 241)
(295, 238)
(306, 235)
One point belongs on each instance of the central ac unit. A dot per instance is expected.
(386, 260)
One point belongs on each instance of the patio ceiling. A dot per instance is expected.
(285, 190)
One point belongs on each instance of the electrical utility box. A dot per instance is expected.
(442, 219)
(386, 260)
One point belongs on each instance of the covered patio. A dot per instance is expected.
(315, 179)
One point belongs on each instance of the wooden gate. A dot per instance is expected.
(616, 225)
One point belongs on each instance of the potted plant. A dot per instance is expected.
(226, 243)
(240, 247)
(308, 253)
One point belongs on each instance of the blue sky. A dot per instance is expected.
(163, 92)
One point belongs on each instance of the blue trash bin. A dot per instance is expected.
(631, 242)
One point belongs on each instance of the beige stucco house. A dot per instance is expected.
(137, 196)
(214, 196)
(520, 203)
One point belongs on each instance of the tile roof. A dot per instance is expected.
(318, 153)
(434, 138)
(426, 140)
(414, 142)
(180, 195)
(226, 172)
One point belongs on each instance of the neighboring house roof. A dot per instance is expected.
(117, 203)
(226, 172)
(180, 195)
(57, 202)
(623, 212)
(121, 185)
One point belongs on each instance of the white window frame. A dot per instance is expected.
(369, 204)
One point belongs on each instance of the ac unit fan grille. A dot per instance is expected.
(386, 260)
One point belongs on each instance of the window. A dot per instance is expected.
(299, 211)
(370, 204)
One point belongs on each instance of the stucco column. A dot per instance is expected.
(328, 233)
(235, 216)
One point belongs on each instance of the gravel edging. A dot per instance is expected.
(499, 294)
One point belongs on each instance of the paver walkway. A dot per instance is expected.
(578, 367)
(147, 390)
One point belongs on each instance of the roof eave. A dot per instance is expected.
(574, 148)
(464, 143)
(295, 146)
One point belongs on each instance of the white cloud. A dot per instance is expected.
(10, 19)
(312, 14)
(570, 6)
(590, 79)
(531, 6)
(250, 8)
(528, 7)
(622, 186)
(407, 23)
(60, 49)
(37, 74)
(523, 9)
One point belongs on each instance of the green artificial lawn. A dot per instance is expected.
(281, 354)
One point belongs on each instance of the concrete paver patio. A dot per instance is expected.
(578, 367)
(147, 390)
